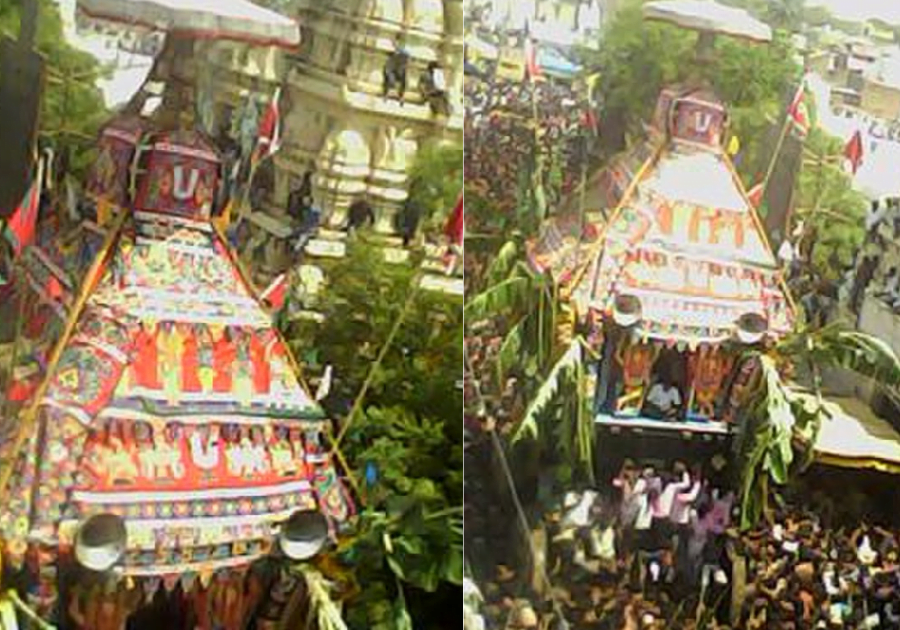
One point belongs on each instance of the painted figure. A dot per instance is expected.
(224, 355)
(190, 360)
(206, 363)
(171, 347)
(636, 361)
(746, 379)
(106, 609)
(708, 368)
(262, 373)
(145, 365)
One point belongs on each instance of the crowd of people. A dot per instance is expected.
(877, 266)
(662, 549)
(500, 120)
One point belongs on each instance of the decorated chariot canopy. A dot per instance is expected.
(238, 20)
(684, 257)
(109, 180)
(171, 411)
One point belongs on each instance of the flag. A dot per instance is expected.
(268, 138)
(734, 146)
(21, 227)
(104, 212)
(532, 69)
(54, 289)
(590, 122)
(799, 112)
(276, 295)
(223, 221)
(324, 385)
(71, 199)
(854, 151)
(755, 195)
(454, 230)
(455, 227)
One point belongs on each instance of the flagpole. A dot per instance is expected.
(775, 154)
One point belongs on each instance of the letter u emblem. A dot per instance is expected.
(702, 121)
(184, 190)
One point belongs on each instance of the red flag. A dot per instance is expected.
(590, 122)
(276, 295)
(532, 69)
(25, 381)
(21, 391)
(854, 151)
(21, 227)
(456, 225)
(269, 136)
(55, 288)
(798, 111)
(755, 195)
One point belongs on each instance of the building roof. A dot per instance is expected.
(854, 437)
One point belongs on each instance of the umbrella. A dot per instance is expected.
(226, 19)
(709, 16)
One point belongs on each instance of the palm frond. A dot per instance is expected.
(510, 352)
(837, 346)
(567, 363)
(502, 264)
(862, 353)
(322, 607)
(503, 298)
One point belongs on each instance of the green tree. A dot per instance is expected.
(402, 566)
(786, 14)
(826, 200)
(637, 58)
(361, 305)
(435, 178)
(72, 109)
(539, 348)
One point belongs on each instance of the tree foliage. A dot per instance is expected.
(637, 58)
(361, 303)
(403, 562)
(73, 108)
(435, 178)
(829, 204)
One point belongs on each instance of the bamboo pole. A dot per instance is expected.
(17, 342)
(382, 353)
(775, 154)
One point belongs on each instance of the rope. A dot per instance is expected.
(23, 608)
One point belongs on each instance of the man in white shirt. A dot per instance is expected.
(645, 491)
(663, 400)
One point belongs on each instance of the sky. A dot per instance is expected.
(887, 10)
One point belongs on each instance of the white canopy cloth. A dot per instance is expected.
(854, 437)
(227, 19)
(706, 15)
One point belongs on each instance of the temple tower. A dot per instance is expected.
(334, 116)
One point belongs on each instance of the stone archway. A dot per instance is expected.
(344, 166)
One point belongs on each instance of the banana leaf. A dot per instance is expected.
(567, 363)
